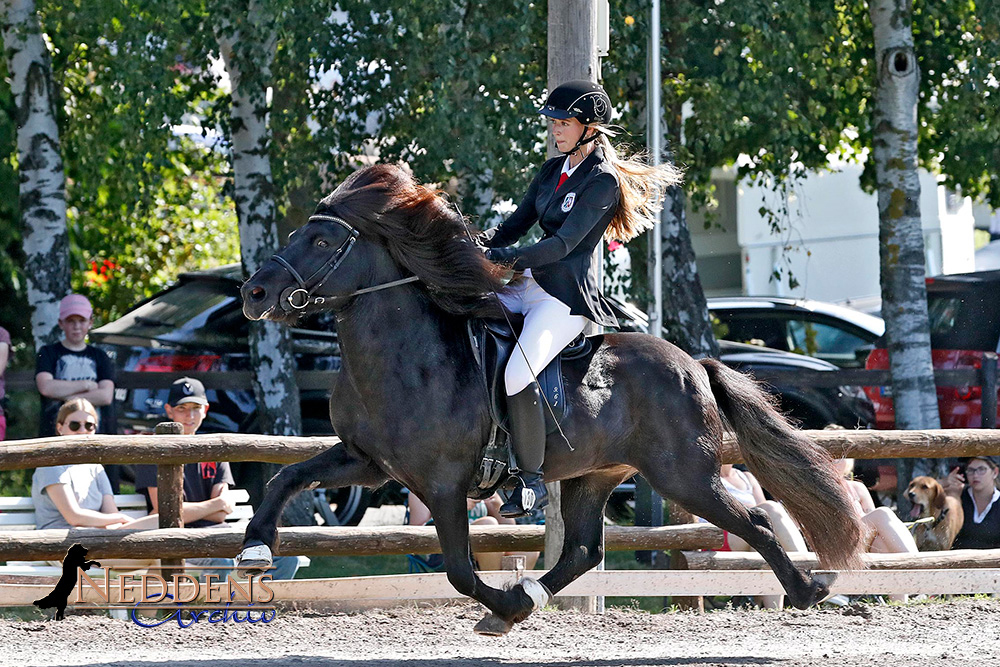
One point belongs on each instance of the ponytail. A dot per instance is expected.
(642, 190)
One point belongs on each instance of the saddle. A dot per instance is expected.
(493, 342)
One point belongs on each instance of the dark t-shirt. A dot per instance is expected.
(199, 478)
(983, 535)
(66, 364)
(4, 340)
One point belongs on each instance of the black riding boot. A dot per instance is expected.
(527, 430)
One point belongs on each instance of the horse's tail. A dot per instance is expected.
(792, 467)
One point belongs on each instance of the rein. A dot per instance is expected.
(297, 298)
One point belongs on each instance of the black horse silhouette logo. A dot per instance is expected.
(76, 558)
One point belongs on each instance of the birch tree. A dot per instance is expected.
(42, 181)
(247, 41)
(901, 242)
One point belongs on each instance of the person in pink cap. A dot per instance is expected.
(73, 369)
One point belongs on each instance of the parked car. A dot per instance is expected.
(838, 334)
(964, 314)
(198, 325)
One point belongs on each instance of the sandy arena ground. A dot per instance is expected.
(938, 634)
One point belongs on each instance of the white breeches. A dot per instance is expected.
(548, 328)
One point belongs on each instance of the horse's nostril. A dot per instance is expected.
(258, 293)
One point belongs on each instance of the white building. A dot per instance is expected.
(829, 239)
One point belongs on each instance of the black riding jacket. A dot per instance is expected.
(573, 220)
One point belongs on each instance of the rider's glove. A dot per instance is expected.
(502, 255)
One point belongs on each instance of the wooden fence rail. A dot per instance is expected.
(328, 541)
(170, 449)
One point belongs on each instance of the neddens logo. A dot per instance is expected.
(567, 203)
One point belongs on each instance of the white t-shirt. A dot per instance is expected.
(86, 481)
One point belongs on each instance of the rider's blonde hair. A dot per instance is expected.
(642, 189)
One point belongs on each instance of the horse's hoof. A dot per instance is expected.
(254, 560)
(822, 582)
(493, 626)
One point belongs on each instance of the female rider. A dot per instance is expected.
(587, 194)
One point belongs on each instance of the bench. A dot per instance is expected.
(18, 513)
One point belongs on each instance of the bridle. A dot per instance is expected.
(297, 297)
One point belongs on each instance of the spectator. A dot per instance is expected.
(481, 513)
(73, 369)
(78, 495)
(888, 534)
(205, 484)
(745, 488)
(4, 358)
(981, 527)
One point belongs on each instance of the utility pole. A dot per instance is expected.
(578, 36)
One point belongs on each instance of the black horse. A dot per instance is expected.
(397, 267)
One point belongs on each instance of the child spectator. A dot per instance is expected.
(73, 369)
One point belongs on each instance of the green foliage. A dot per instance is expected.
(452, 88)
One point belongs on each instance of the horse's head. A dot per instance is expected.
(307, 272)
(378, 229)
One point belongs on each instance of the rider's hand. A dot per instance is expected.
(502, 255)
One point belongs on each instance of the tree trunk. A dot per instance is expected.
(901, 242)
(43, 183)
(247, 43)
(685, 311)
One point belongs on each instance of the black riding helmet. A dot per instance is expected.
(584, 100)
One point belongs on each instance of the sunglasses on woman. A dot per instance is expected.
(89, 426)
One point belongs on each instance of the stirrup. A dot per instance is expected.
(524, 500)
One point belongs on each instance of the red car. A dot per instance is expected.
(964, 313)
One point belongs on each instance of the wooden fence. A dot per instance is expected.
(977, 573)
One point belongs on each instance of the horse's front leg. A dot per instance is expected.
(333, 468)
(451, 520)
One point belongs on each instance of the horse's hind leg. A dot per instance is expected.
(699, 490)
(335, 467)
(582, 507)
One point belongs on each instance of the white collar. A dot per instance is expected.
(568, 170)
(977, 517)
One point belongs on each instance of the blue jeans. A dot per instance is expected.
(284, 567)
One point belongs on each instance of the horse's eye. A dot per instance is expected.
(322, 243)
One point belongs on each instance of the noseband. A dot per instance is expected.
(302, 294)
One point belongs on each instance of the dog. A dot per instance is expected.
(931, 502)
(76, 558)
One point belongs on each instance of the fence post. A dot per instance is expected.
(989, 383)
(170, 496)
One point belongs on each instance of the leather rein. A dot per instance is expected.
(303, 294)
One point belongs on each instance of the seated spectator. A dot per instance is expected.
(481, 513)
(888, 534)
(78, 495)
(205, 484)
(977, 487)
(4, 358)
(745, 488)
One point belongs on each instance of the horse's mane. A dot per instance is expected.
(421, 233)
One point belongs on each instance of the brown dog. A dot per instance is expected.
(930, 501)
